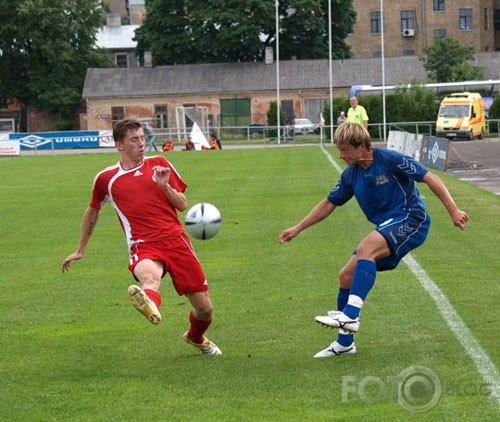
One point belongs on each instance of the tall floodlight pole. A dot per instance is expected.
(278, 101)
(330, 67)
(383, 67)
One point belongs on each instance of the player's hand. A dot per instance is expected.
(161, 175)
(460, 219)
(66, 263)
(287, 235)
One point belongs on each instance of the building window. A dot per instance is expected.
(377, 54)
(235, 112)
(407, 20)
(440, 33)
(161, 116)
(496, 20)
(7, 125)
(117, 114)
(121, 60)
(438, 5)
(465, 20)
(485, 18)
(408, 52)
(376, 22)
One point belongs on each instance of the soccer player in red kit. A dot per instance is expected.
(146, 193)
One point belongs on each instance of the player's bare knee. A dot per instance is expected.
(149, 281)
(203, 312)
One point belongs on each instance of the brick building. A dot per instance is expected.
(236, 94)
(411, 25)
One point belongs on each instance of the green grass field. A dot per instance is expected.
(74, 349)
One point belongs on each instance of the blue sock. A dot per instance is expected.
(343, 296)
(362, 282)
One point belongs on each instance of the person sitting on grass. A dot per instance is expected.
(168, 145)
(189, 146)
(215, 142)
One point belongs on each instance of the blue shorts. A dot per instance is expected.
(402, 236)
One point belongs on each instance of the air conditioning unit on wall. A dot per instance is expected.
(409, 33)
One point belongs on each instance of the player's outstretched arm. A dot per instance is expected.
(317, 214)
(89, 222)
(459, 217)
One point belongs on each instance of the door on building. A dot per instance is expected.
(235, 113)
(313, 109)
(287, 107)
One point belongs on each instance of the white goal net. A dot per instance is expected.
(186, 117)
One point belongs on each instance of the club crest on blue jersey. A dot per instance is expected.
(381, 179)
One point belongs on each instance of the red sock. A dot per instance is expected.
(197, 328)
(154, 296)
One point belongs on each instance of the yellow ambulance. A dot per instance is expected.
(461, 115)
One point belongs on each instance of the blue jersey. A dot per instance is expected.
(384, 190)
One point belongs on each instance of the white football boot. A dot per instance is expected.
(336, 349)
(337, 319)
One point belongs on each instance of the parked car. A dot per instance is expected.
(303, 127)
(255, 129)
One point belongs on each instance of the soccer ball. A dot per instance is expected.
(203, 221)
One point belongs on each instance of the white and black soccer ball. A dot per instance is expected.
(203, 221)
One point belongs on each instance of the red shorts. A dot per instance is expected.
(179, 260)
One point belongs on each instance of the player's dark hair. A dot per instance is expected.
(352, 134)
(122, 127)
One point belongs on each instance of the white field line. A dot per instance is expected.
(484, 364)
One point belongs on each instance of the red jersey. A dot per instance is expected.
(142, 207)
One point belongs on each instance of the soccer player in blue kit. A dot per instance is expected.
(383, 183)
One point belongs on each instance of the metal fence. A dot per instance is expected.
(254, 135)
(267, 135)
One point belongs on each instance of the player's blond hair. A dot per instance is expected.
(352, 134)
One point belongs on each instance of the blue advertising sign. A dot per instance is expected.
(434, 152)
(57, 140)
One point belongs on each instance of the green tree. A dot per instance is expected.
(46, 47)
(413, 104)
(343, 20)
(272, 119)
(188, 31)
(494, 112)
(447, 61)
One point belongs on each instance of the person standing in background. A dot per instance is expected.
(357, 113)
(151, 137)
(341, 119)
